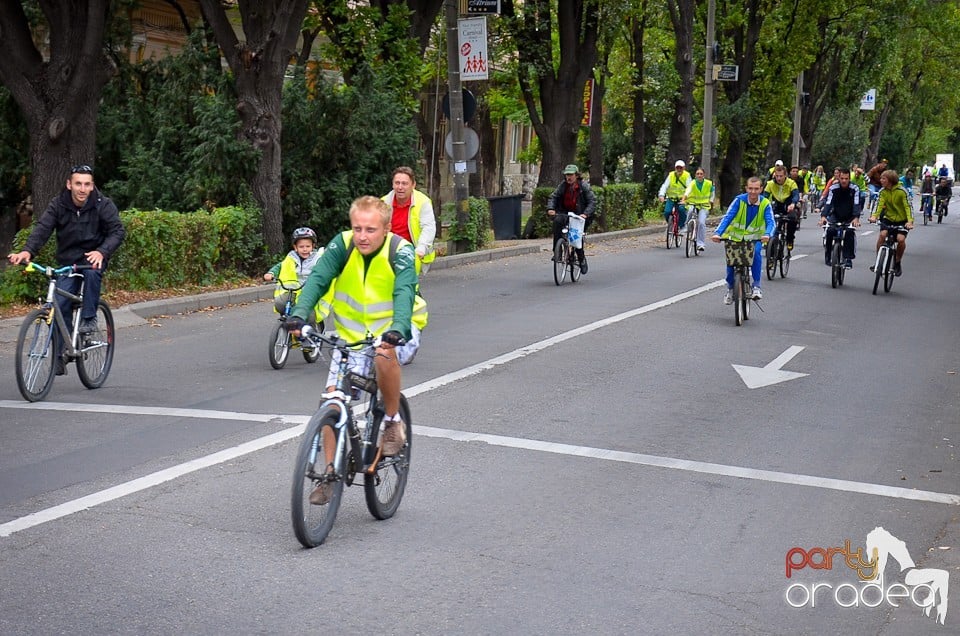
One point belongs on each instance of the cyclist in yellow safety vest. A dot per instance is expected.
(672, 191)
(374, 280)
(749, 218)
(699, 194)
(413, 217)
(785, 197)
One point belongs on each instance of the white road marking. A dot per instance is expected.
(168, 474)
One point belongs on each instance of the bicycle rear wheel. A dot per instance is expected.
(561, 252)
(574, 267)
(36, 356)
(96, 350)
(384, 486)
(313, 522)
(676, 234)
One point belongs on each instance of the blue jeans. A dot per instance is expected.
(92, 280)
(756, 270)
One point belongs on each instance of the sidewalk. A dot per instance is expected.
(139, 313)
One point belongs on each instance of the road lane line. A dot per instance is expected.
(159, 477)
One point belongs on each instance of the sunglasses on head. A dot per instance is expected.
(81, 169)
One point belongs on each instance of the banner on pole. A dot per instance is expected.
(587, 103)
(473, 48)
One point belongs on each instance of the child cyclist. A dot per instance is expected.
(293, 270)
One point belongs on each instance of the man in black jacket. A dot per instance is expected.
(842, 205)
(88, 230)
(572, 195)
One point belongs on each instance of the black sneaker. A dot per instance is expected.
(88, 325)
(873, 268)
(897, 270)
(848, 263)
(583, 266)
(60, 367)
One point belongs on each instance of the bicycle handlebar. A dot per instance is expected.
(51, 271)
(335, 341)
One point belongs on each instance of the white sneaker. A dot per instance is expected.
(757, 293)
(728, 297)
(700, 248)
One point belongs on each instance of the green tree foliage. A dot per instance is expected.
(340, 142)
(168, 134)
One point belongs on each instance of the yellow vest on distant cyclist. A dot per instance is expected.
(699, 195)
(364, 299)
(676, 186)
(413, 222)
(739, 230)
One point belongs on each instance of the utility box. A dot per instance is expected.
(505, 213)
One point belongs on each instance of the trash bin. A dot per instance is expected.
(505, 213)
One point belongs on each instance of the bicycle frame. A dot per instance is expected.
(53, 307)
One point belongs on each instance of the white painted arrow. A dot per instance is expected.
(756, 377)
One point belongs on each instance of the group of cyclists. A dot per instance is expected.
(839, 200)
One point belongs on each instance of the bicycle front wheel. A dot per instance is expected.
(773, 247)
(878, 267)
(312, 472)
(739, 302)
(691, 245)
(36, 356)
(384, 486)
(836, 266)
(888, 272)
(96, 350)
(669, 235)
(561, 252)
(279, 346)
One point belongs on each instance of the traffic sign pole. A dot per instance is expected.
(460, 177)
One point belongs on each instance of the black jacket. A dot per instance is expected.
(843, 204)
(95, 226)
(586, 201)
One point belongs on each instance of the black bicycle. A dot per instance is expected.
(884, 266)
(778, 251)
(942, 203)
(341, 441)
(45, 331)
(281, 341)
(565, 256)
(837, 263)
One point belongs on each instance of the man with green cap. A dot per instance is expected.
(572, 195)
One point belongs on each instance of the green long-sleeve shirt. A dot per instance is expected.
(893, 207)
(332, 262)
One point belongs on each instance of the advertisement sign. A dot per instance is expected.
(869, 100)
(473, 48)
(587, 102)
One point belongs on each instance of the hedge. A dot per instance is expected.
(163, 249)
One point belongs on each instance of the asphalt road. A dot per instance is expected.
(587, 459)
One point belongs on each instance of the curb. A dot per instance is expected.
(138, 313)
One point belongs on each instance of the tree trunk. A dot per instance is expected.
(258, 64)
(58, 97)
(681, 15)
(638, 27)
(596, 129)
(556, 119)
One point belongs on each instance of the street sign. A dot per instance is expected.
(471, 141)
(726, 72)
(869, 100)
(473, 48)
(474, 7)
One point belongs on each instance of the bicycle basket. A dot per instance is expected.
(739, 253)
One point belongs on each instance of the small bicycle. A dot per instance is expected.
(673, 225)
(565, 256)
(837, 263)
(884, 266)
(926, 207)
(778, 252)
(45, 332)
(341, 441)
(281, 342)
